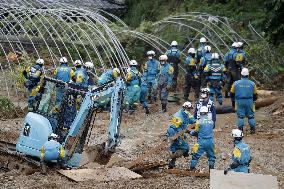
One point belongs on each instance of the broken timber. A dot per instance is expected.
(156, 150)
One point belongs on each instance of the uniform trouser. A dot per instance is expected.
(175, 76)
(191, 82)
(203, 145)
(32, 95)
(152, 87)
(178, 145)
(245, 108)
(143, 96)
(233, 75)
(163, 93)
(132, 95)
(242, 168)
(216, 89)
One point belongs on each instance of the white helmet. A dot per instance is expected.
(205, 90)
(40, 61)
(63, 60)
(78, 63)
(133, 63)
(151, 53)
(215, 56)
(89, 65)
(240, 44)
(235, 44)
(245, 72)
(207, 48)
(187, 105)
(236, 133)
(202, 40)
(163, 57)
(53, 136)
(174, 43)
(204, 110)
(191, 50)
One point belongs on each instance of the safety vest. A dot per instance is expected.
(215, 70)
(173, 55)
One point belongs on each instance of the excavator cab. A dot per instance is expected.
(71, 121)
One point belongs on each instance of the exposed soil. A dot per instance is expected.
(140, 132)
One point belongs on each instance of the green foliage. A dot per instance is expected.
(16, 76)
(6, 105)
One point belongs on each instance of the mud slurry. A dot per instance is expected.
(140, 132)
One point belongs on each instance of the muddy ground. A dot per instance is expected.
(141, 132)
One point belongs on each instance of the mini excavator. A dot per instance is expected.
(73, 136)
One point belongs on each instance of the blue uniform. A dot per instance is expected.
(241, 157)
(165, 78)
(174, 58)
(201, 51)
(133, 87)
(179, 122)
(52, 151)
(81, 77)
(106, 77)
(215, 76)
(91, 77)
(63, 73)
(192, 77)
(151, 71)
(244, 93)
(33, 75)
(205, 142)
(204, 61)
(144, 93)
(233, 70)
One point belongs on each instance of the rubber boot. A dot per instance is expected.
(172, 163)
(252, 131)
(192, 168)
(131, 110)
(164, 108)
(211, 167)
(147, 111)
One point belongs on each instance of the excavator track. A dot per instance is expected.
(10, 160)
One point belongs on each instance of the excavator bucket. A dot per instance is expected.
(97, 154)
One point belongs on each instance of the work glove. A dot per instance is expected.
(226, 171)
(165, 138)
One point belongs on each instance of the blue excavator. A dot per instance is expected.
(73, 135)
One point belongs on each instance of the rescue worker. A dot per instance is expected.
(133, 83)
(231, 68)
(241, 156)
(90, 72)
(243, 96)
(144, 94)
(192, 77)
(108, 76)
(205, 139)
(52, 151)
(65, 74)
(204, 61)
(179, 121)
(80, 75)
(165, 81)
(151, 71)
(201, 49)
(174, 58)
(33, 75)
(205, 101)
(215, 76)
